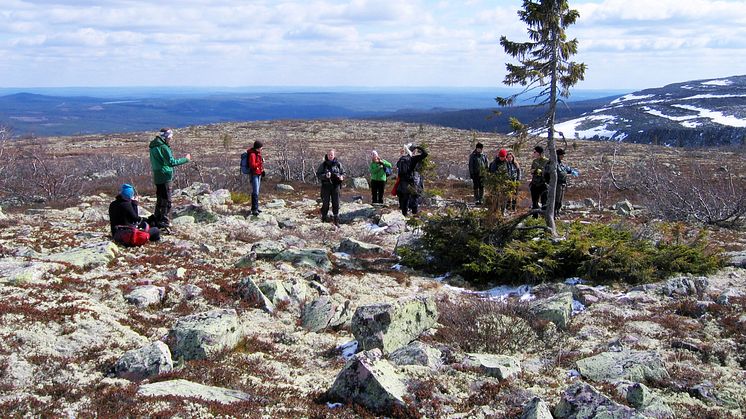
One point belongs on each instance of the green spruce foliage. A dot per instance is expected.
(485, 250)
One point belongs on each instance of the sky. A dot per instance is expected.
(626, 44)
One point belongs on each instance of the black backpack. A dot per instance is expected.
(404, 168)
(245, 163)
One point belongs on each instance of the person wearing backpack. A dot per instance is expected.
(380, 170)
(255, 165)
(409, 184)
(477, 169)
(127, 227)
(162, 162)
(562, 171)
(331, 174)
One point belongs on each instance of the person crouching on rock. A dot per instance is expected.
(127, 227)
(331, 174)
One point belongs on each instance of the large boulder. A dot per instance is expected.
(371, 381)
(248, 290)
(18, 272)
(202, 335)
(139, 364)
(536, 408)
(267, 249)
(637, 366)
(556, 309)
(185, 389)
(324, 313)
(735, 259)
(310, 258)
(275, 291)
(643, 399)
(88, 256)
(417, 353)
(502, 367)
(389, 326)
(685, 286)
(356, 247)
(146, 295)
(582, 401)
(359, 183)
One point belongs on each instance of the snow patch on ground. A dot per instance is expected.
(348, 349)
(710, 96)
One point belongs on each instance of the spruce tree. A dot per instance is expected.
(544, 68)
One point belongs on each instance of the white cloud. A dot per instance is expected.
(626, 43)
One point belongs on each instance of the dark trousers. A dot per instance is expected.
(478, 188)
(329, 191)
(538, 193)
(376, 188)
(558, 197)
(161, 217)
(407, 199)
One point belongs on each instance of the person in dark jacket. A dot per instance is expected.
(331, 174)
(256, 172)
(537, 186)
(162, 162)
(562, 171)
(514, 174)
(477, 168)
(123, 213)
(411, 184)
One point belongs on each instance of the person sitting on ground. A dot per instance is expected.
(331, 174)
(477, 169)
(379, 171)
(124, 220)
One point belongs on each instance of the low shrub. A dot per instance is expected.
(486, 250)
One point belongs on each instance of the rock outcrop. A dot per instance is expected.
(389, 326)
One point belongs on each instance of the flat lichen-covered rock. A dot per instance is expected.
(202, 335)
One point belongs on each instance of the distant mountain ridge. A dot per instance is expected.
(710, 112)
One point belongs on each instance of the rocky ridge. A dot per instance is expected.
(281, 315)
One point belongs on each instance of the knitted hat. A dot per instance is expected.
(539, 149)
(502, 153)
(127, 191)
(479, 146)
(166, 133)
(257, 145)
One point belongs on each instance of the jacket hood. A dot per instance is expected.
(157, 142)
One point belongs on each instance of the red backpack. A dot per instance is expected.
(131, 235)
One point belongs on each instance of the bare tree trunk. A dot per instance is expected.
(552, 185)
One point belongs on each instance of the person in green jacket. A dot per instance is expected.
(162, 162)
(378, 175)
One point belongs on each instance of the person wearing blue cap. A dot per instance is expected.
(124, 219)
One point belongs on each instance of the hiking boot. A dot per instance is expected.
(324, 218)
(335, 220)
(165, 230)
(255, 213)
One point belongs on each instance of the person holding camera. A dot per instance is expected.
(380, 169)
(331, 174)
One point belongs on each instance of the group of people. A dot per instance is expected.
(506, 165)
(408, 187)
(127, 227)
(125, 221)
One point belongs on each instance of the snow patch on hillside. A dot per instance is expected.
(629, 97)
(720, 82)
(716, 117)
(571, 129)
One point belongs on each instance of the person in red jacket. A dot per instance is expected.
(256, 172)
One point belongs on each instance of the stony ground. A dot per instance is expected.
(73, 304)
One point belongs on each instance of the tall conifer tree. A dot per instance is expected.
(543, 63)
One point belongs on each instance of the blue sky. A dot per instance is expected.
(627, 44)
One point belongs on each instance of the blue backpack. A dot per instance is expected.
(245, 163)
